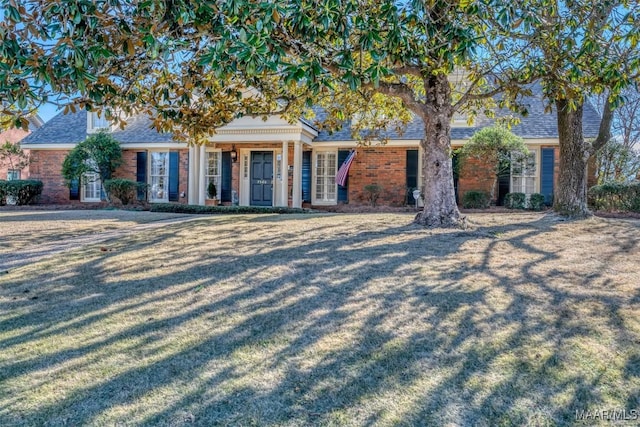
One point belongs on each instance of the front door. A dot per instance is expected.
(261, 178)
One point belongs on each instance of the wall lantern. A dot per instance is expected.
(234, 154)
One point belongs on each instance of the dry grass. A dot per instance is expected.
(330, 320)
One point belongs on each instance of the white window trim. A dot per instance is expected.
(92, 117)
(10, 172)
(536, 175)
(314, 196)
(83, 197)
(150, 176)
(207, 176)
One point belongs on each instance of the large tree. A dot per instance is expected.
(577, 48)
(197, 65)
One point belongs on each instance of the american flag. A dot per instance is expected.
(343, 172)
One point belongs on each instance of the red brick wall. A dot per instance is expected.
(13, 136)
(47, 165)
(476, 175)
(384, 166)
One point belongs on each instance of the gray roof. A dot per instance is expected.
(72, 128)
(536, 125)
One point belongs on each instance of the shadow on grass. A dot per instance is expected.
(243, 323)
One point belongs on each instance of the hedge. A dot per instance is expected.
(124, 190)
(614, 196)
(197, 209)
(23, 191)
(515, 200)
(476, 200)
(536, 202)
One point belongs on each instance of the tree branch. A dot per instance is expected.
(604, 133)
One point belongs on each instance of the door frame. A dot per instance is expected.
(245, 181)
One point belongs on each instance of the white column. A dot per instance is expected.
(201, 175)
(297, 174)
(192, 176)
(285, 174)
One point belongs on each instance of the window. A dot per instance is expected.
(523, 173)
(159, 177)
(97, 123)
(91, 186)
(325, 177)
(13, 174)
(213, 172)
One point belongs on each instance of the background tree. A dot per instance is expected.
(617, 162)
(577, 48)
(189, 65)
(495, 147)
(98, 154)
(13, 157)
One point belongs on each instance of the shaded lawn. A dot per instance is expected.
(21, 229)
(331, 320)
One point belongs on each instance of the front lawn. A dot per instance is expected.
(325, 319)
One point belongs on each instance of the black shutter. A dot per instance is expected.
(74, 189)
(343, 192)
(225, 194)
(306, 176)
(412, 174)
(141, 173)
(546, 181)
(174, 175)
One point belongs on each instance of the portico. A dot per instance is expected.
(267, 170)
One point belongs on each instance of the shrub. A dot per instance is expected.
(212, 192)
(372, 193)
(614, 196)
(515, 200)
(124, 190)
(197, 209)
(476, 200)
(22, 191)
(536, 202)
(3, 192)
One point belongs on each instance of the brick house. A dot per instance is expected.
(275, 163)
(14, 136)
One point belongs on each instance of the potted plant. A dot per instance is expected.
(212, 193)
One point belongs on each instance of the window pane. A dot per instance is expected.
(13, 174)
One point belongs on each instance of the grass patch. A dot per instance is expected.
(326, 320)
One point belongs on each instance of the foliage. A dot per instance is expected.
(617, 162)
(576, 49)
(476, 199)
(22, 191)
(493, 146)
(124, 190)
(376, 64)
(616, 196)
(100, 153)
(372, 193)
(13, 157)
(515, 200)
(212, 192)
(536, 202)
(197, 209)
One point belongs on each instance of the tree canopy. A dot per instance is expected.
(194, 66)
(99, 154)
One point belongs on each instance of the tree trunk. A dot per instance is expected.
(571, 194)
(440, 208)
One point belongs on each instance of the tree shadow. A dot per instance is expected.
(331, 324)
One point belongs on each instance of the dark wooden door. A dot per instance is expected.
(262, 178)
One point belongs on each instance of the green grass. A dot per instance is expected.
(324, 320)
